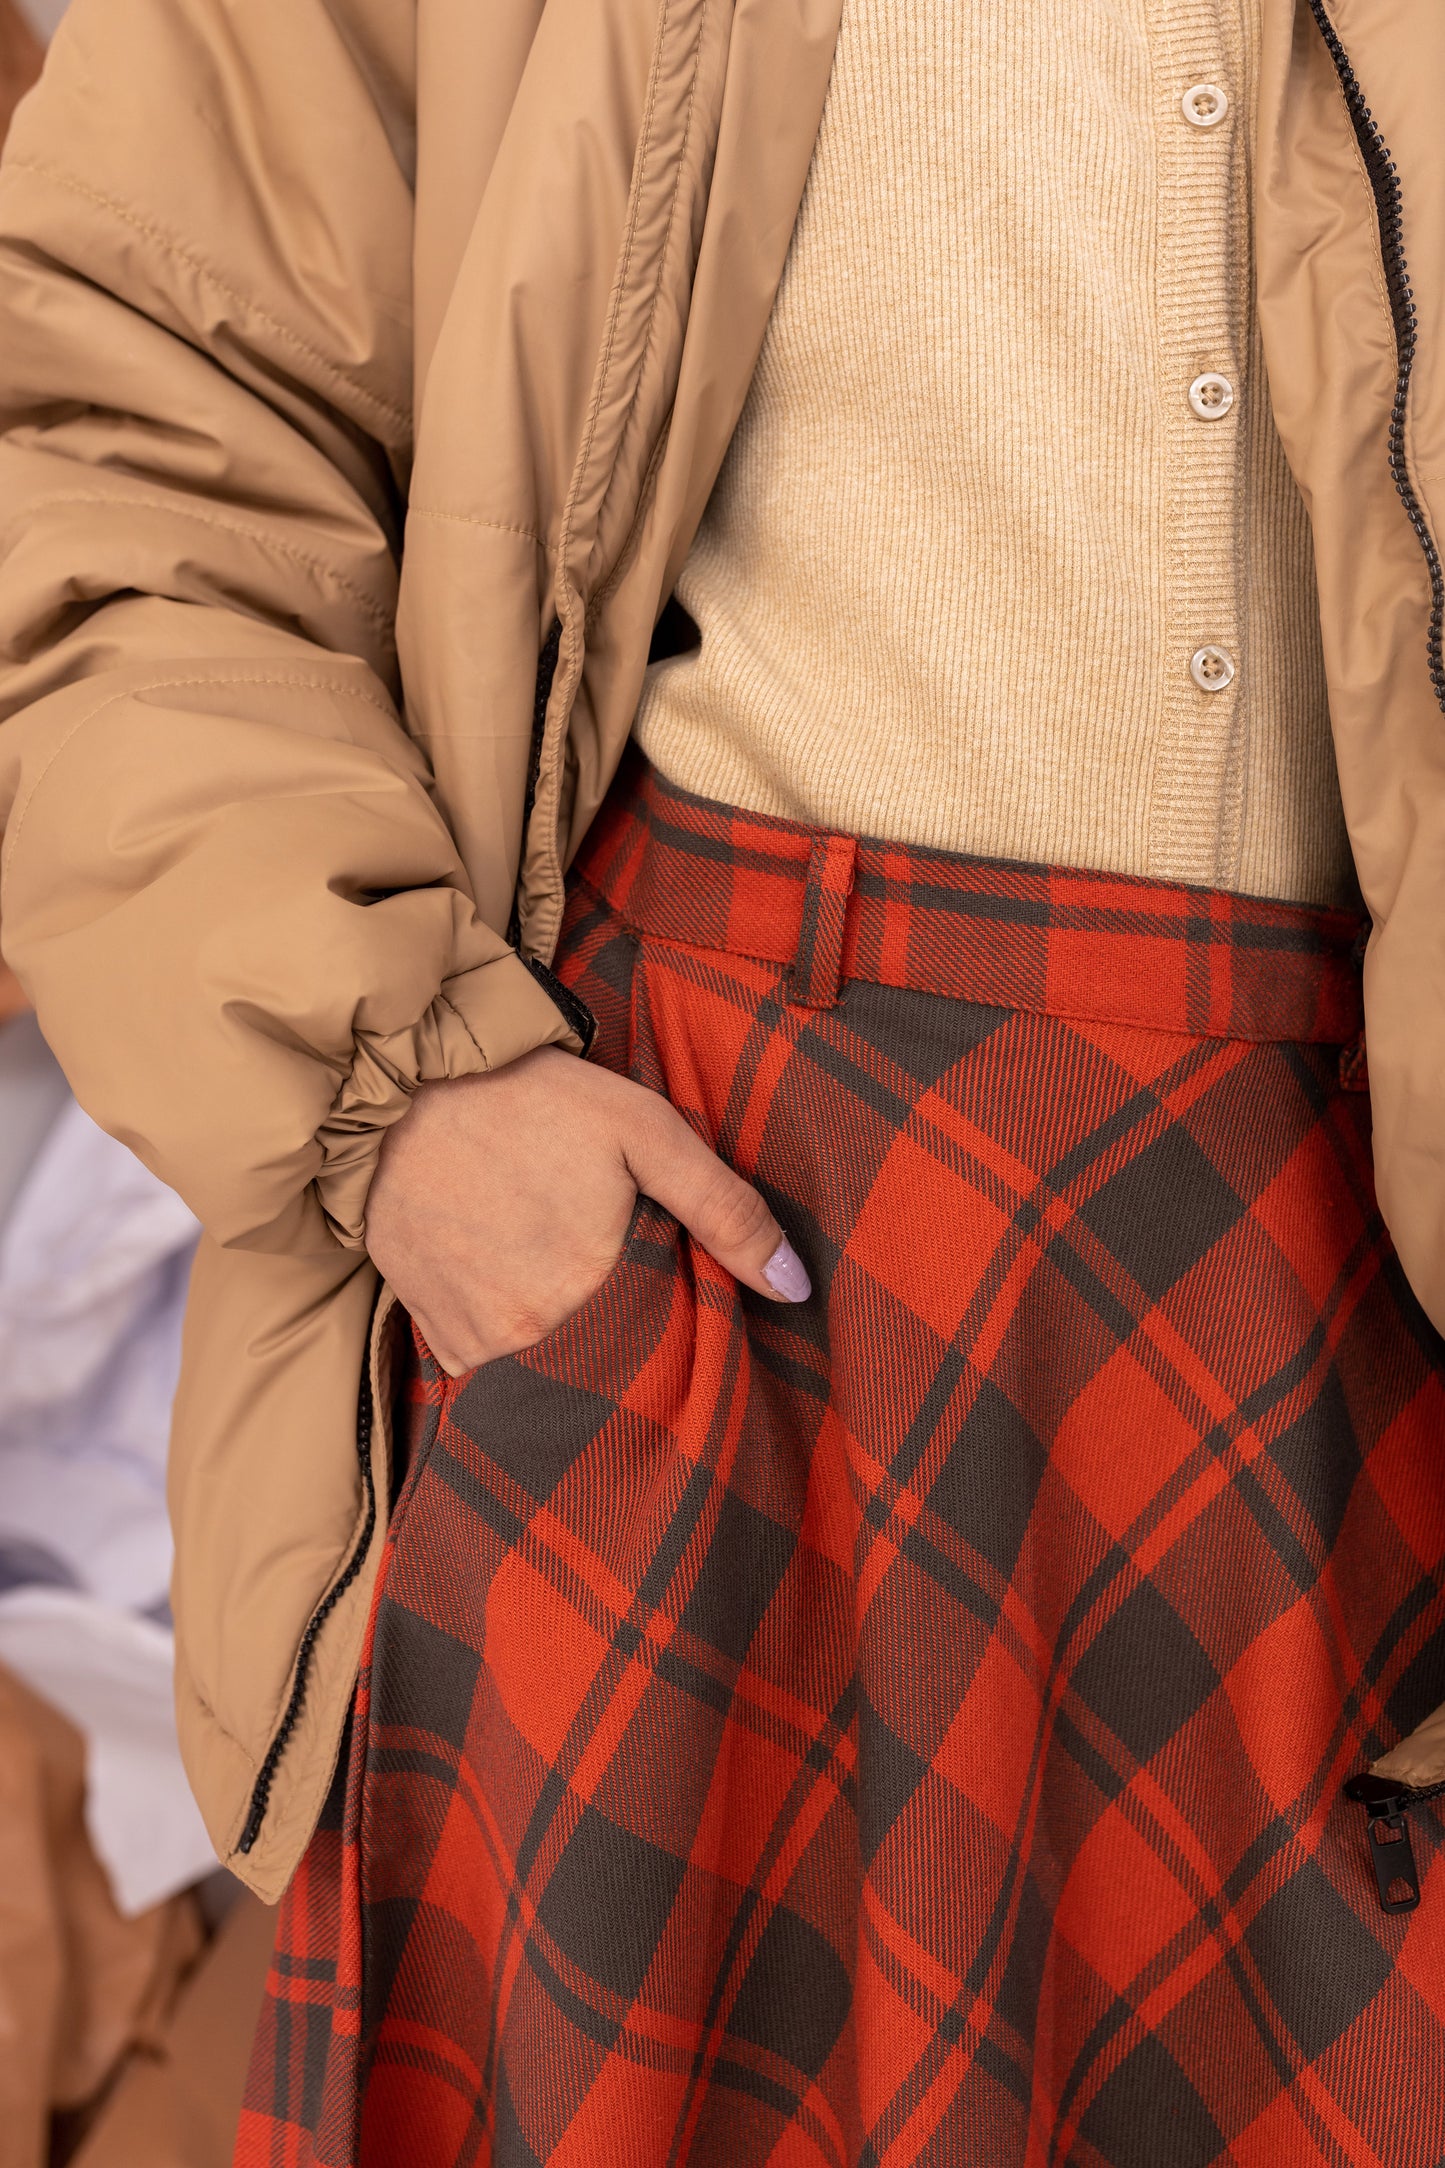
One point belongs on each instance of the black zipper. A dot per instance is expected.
(261, 1791)
(574, 1009)
(1389, 211)
(1392, 1854)
(541, 701)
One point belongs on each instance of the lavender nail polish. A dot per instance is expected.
(786, 1274)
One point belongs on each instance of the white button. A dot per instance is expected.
(1211, 668)
(1205, 105)
(1211, 396)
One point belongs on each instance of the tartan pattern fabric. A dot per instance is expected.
(909, 1728)
(1053, 940)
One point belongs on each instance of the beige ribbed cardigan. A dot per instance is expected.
(970, 531)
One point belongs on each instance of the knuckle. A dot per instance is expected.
(526, 1324)
(737, 1212)
(656, 1121)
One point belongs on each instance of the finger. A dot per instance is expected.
(669, 1161)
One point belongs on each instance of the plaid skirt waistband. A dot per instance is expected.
(1096, 947)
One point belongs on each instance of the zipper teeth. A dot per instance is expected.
(1414, 1794)
(541, 700)
(261, 1791)
(1385, 183)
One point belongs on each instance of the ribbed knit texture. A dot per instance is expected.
(970, 532)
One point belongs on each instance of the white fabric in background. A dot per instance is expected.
(95, 1255)
(42, 16)
(32, 1092)
(110, 1673)
(94, 1258)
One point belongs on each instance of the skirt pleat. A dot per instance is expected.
(910, 1727)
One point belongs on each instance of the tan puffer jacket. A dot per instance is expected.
(278, 280)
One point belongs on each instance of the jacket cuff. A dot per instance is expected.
(480, 1020)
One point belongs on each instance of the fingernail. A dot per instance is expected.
(786, 1275)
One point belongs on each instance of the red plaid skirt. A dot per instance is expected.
(911, 1727)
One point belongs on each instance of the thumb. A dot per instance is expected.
(669, 1162)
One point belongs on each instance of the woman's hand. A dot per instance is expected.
(501, 1202)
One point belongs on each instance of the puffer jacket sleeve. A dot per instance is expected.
(224, 879)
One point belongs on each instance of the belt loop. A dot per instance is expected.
(818, 965)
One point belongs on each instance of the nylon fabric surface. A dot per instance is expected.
(909, 1728)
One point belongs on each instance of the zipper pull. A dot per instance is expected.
(1396, 1876)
